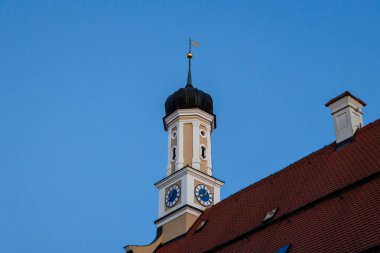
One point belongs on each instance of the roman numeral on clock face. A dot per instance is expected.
(203, 195)
(172, 195)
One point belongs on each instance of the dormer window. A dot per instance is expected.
(203, 152)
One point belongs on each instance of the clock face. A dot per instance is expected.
(172, 195)
(203, 195)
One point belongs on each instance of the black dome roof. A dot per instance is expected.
(189, 97)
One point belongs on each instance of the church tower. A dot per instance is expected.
(189, 186)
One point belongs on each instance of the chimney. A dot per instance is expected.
(347, 115)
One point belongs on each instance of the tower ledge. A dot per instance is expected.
(187, 170)
(189, 112)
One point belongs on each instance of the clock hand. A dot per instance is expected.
(202, 195)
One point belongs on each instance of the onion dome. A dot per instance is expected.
(189, 97)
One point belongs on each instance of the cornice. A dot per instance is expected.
(190, 112)
(187, 170)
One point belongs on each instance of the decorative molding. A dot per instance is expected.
(187, 170)
(209, 155)
(190, 112)
(180, 150)
(195, 161)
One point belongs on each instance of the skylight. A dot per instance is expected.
(284, 249)
(270, 214)
(200, 226)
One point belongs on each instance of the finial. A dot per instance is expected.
(189, 83)
(189, 56)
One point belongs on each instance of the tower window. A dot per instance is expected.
(174, 153)
(203, 152)
(174, 134)
(203, 133)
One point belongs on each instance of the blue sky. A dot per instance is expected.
(82, 92)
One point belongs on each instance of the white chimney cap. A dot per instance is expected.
(344, 94)
(347, 115)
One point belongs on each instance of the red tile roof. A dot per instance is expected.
(328, 201)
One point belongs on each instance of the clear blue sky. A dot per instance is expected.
(82, 92)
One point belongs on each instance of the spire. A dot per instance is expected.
(189, 56)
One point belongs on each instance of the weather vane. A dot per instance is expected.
(189, 56)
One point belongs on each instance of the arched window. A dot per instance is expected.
(174, 153)
(203, 152)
